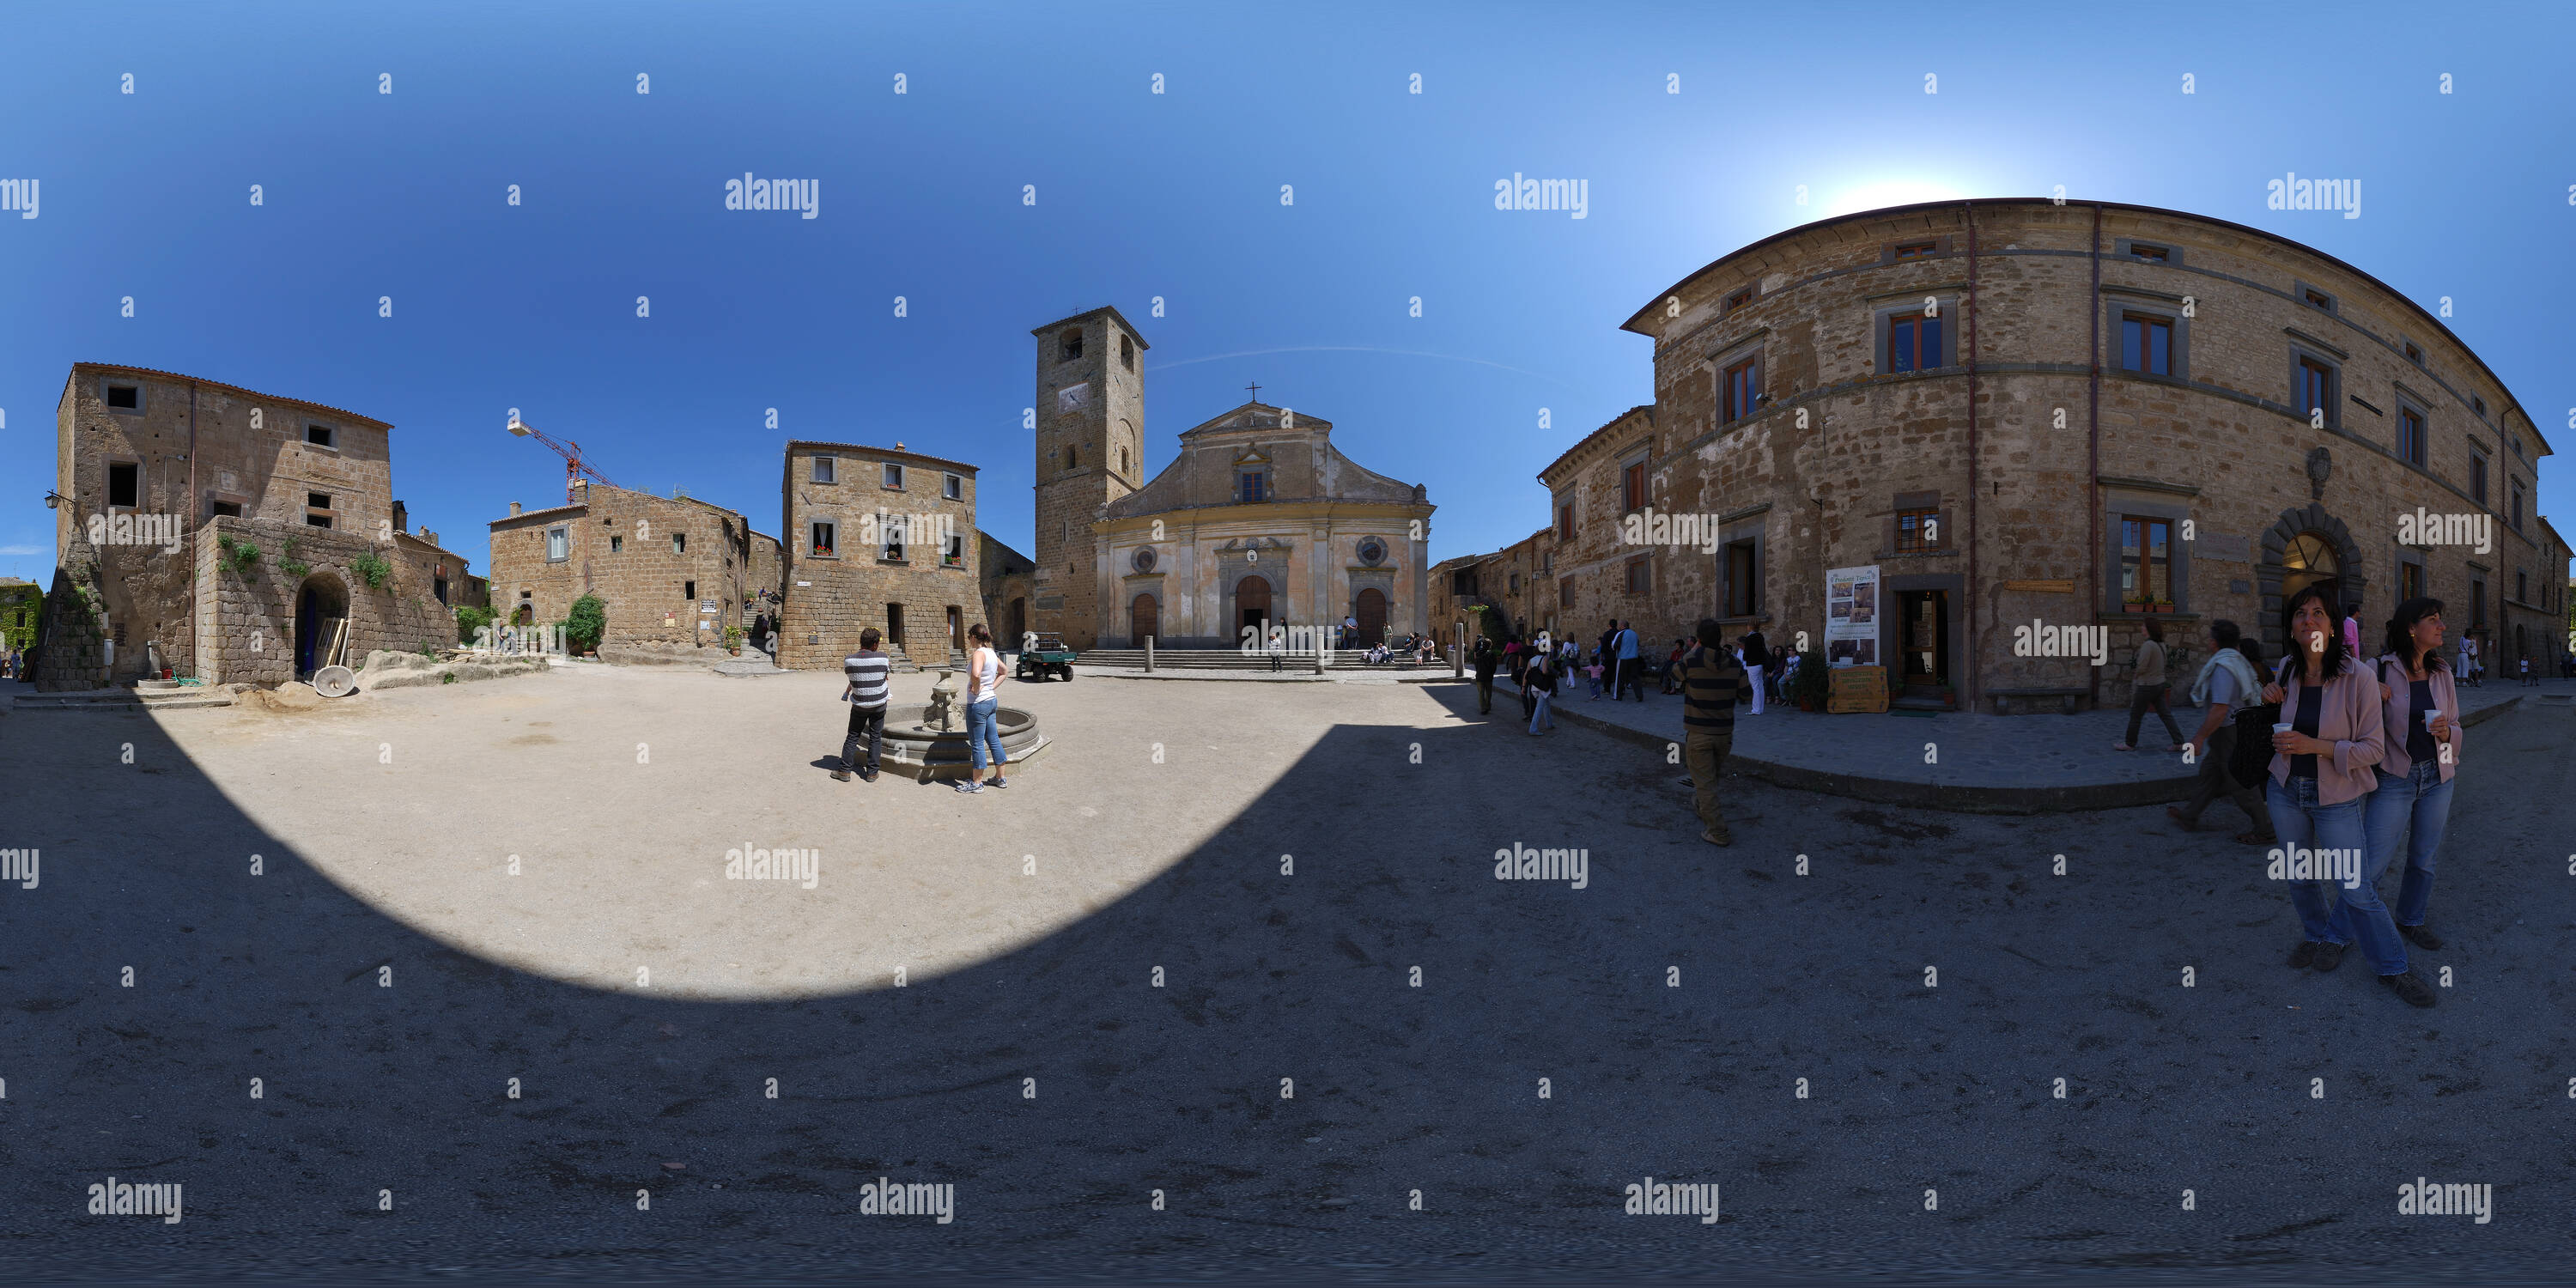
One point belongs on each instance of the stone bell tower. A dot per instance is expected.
(1090, 423)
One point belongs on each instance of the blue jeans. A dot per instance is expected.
(2424, 799)
(2359, 918)
(981, 728)
(1540, 712)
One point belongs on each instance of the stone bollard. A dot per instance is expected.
(1458, 655)
(1149, 653)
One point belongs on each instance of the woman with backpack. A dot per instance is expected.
(1540, 682)
(2420, 709)
(2328, 737)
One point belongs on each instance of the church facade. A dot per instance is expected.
(1259, 521)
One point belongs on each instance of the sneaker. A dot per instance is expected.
(2421, 936)
(840, 775)
(967, 785)
(997, 781)
(1715, 837)
(2305, 955)
(2410, 986)
(2120, 746)
(2329, 956)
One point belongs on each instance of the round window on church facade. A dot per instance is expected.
(1372, 550)
(1144, 559)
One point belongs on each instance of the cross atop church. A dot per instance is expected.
(1256, 391)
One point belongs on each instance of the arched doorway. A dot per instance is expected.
(1018, 622)
(526, 616)
(321, 605)
(2309, 560)
(1252, 603)
(1144, 619)
(1371, 611)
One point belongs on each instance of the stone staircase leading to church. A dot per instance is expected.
(1223, 659)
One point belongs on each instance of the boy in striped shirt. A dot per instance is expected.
(867, 671)
(1711, 679)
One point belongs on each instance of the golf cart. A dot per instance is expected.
(1042, 654)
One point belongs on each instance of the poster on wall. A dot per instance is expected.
(1851, 616)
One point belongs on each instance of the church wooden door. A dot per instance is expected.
(1252, 604)
(1142, 621)
(1372, 615)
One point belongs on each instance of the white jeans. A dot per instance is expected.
(1753, 676)
(1540, 711)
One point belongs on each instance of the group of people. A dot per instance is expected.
(2364, 751)
(866, 673)
(13, 665)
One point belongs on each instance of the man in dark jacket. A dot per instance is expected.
(1485, 660)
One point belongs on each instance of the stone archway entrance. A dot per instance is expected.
(2304, 547)
(321, 606)
(1144, 619)
(1371, 612)
(1251, 604)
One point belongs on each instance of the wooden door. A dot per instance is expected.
(1143, 620)
(1372, 615)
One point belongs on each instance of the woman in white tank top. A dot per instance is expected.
(983, 700)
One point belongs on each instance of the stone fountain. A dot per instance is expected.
(931, 738)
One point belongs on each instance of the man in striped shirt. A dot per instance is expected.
(1711, 679)
(867, 671)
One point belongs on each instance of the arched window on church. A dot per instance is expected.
(1127, 352)
(1069, 454)
(1122, 460)
(1071, 347)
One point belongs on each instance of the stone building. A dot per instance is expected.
(670, 570)
(1261, 519)
(1008, 579)
(1090, 446)
(22, 603)
(2088, 414)
(877, 537)
(153, 468)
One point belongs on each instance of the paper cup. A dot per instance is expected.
(2283, 728)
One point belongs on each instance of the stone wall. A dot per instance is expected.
(22, 610)
(1007, 589)
(247, 619)
(72, 654)
(834, 594)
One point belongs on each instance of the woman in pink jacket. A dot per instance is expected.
(2321, 775)
(2420, 710)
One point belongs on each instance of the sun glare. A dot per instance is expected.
(1883, 193)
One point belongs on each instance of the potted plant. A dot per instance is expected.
(733, 639)
(1811, 686)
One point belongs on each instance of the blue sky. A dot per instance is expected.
(1140, 195)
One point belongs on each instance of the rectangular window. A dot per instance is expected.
(2317, 299)
(2477, 603)
(688, 590)
(679, 543)
(318, 435)
(2146, 561)
(1632, 486)
(2522, 586)
(616, 545)
(2478, 405)
(2517, 505)
(1640, 576)
(2146, 344)
(2410, 581)
(438, 587)
(894, 476)
(124, 484)
(312, 520)
(1743, 579)
(820, 540)
(558, 544)
(1251, 486)
(894, 622)
(1739, 299)
(1913, 342)
(2478, 478)
(1463, 583)
(1127, 352)
(955, 555)
(125, 397)
(2316, 390)
(1917, 250)
(2151, 254)
(1565, 522)
(2414, 353)
(223, 508)
(2410, 436)
(1918, 530)
(890, 540)
(824, 466)
(953, 486)
(318, 500)
(1743, 389)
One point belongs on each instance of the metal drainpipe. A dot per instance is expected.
(1975, 686)
(2093, 449)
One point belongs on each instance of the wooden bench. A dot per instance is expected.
(2066, 698)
